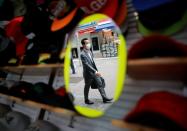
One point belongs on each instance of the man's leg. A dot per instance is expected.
(86, 91)
(102, 91)
(72, 66)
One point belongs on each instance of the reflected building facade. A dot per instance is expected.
(103, 36)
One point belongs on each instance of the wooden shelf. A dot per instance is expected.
(131, 126)
(40, 67)
(19, 69)
(30, 103)
(171, 68)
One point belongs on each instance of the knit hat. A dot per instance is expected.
(4, 109)
(107, 7)
(165, 17)
(14, 120)
(162, 110)
(42, 125)
(157, 57)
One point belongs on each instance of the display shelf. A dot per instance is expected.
(170, 68)
(36, 69)
(30, 103)
(132, 126)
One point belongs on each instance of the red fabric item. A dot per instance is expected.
(38, 2)
(169, 105)
(121, 15)
(13, 31)
(107, 7)
(157, 45)
(61, 91)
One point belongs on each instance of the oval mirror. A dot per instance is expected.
(95, 64)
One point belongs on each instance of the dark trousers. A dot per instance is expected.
(87, 86)
(72, 66)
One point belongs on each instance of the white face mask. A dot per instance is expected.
(88, 46)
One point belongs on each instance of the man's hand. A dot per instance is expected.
(98, 74)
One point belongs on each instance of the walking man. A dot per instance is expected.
(90, 73)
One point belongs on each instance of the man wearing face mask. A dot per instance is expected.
(90, 72)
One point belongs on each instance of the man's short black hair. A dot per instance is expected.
(83, 41)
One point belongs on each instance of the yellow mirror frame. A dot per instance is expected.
(121, 71)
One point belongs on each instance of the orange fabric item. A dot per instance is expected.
(60, 23)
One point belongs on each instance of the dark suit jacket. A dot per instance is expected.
(89, 67)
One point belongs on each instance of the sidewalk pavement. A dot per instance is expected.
(108, 69)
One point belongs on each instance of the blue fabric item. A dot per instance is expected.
(141, 5)
(163, 16)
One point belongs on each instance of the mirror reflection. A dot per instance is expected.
(94, 63)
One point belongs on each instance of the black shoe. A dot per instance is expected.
(89, 102)
(107, 100)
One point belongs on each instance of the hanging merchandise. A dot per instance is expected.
(6, 7)
(157, 57)
(46, 94)
(121, 14)
(65, 15)
(36, 20)
(98, 6)
(5, 85)
(166, 17)
(7, 49)
(15, 33)
(39, 20)
(23, 90)
(156, 46)
(19, 7)
(31, 55)
(38, 92)
(4, 109)
(14, 120)
(42, 125)
(161, 110)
